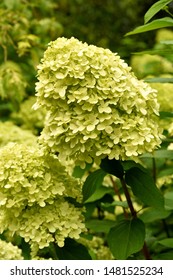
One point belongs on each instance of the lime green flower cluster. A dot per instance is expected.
(164, 95)
(29, 118)
(170, 129)
(164, 35)
(9, 132)
(96, 106)
(12, 84)
(97, 247)
(9, 252)
(146, 65)
(34, 195)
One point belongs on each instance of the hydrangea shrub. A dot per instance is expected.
(96, 106)
(33, 196)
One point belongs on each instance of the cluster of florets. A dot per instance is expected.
(164, 34)
(97, 248)
(170, 129)
(146, 65)
(34, 194)
(9, 252)
(164, 95)
(9, 132)
(12, 84)
(96, 106)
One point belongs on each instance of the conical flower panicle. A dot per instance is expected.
(96, 106)
(33, 196)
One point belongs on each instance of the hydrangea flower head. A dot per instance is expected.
(34, 193)
(150, 65)
(96, 106)
(164, 95)
(9, 132)
(9, 252)
(12, 84)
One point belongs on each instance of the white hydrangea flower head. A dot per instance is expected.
(96, 106)
(8, 251)
(34, 188)
(42, 225)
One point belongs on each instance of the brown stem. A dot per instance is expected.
(134, 215)
(146, 252)
(116, 190)
(126, 192)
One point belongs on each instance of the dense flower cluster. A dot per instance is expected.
(164, 34)
(170, 129)
(9, 252)
(97, 247)
(34, 194)
(145, 65)
(12, 84)
(96, 106)
(164, 95)
(9, 132)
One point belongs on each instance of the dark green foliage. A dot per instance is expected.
(126, 238)
(72, 251)
(93, 183)
(144, 188)
(113, 167)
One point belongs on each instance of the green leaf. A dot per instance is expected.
(92, 182)
(126, 238)
(159, 80)
(144, 188)
(72, 250)
(128, 164)
(167, 242)
(123, 204)
(168, 200)
(99, 193)
(155, 8)
(164, 153)
(150, 215)
(164, 256)
(78, 172)
(26, 250)
(165, 172)
(161, 52)
(12, 4)
(155, 24)
(164, 115)
(113, 167)
(100, 225)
